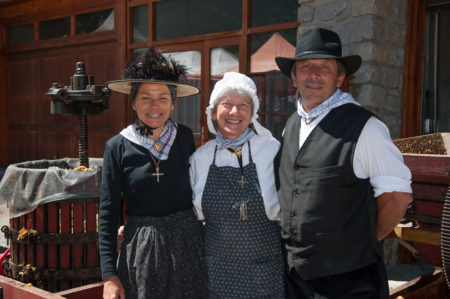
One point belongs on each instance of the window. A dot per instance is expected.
(94, 21)
(278, 95)
(20, 34)
(187, 110)
(436, 86)
(139, 19)
(54, 28)
(179, 18)
(273, 12)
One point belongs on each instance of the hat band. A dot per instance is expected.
(304, 53)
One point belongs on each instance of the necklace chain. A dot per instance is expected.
(238, 154)
(157, 173)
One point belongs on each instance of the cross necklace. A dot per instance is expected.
(238, 153)
(242, 205)
(157, 173)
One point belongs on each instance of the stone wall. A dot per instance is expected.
(375, 30)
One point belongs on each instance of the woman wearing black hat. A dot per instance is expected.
(148, 165)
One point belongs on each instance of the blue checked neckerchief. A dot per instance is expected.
(337, 99)
(236, 143)
(165, 139)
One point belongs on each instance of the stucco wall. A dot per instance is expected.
(375, 30)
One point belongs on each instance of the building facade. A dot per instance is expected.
(402, 78)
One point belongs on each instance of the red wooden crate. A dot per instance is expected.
(431, 180)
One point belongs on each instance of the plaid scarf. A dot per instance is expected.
(165, 139)
(236, 143)
(337, 99)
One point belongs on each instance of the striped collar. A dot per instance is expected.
(166, 139)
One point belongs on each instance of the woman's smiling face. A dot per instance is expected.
(233, 115)
(153, 104)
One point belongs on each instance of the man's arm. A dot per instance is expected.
(391, 207)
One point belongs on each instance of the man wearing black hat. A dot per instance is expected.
(343, 183)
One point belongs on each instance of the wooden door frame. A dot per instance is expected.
(3, 107)
(413, 70)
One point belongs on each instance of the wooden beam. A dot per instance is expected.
(94, 290)
(16, 289)
(415, 234)
(3, 107)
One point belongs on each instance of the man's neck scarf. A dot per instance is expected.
(337, 99)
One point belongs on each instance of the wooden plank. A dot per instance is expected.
(430, 208)
(30, 247)
(432, 179)
(415, 234)
(77, 249)
(40, 248)
(428, 164)
(14, 253)
(64, 250)
(13, 289)
(431, 192)
(22, 248)
(91, 249)
(428, 286)
(91, 291)
(52, 250)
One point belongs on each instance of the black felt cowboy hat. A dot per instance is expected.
(150, 66)
(319, 43)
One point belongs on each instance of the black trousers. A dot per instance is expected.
(368, 282)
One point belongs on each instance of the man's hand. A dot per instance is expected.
(391, 207)
(113, 289)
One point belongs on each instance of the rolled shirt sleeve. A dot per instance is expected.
(376, 157)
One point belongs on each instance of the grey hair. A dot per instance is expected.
(341, 67)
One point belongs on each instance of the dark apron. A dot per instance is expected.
(162, 257)
(243, 257)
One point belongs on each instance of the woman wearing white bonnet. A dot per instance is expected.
(234, 192)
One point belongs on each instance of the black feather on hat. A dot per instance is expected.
(150, 66)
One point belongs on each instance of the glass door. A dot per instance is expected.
(187, 110)
(436, 91)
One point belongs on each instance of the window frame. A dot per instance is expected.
(240, 37)
(414, 66)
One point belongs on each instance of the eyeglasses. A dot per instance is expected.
(244, 107)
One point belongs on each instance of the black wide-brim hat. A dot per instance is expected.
(319, 43)
(151, 67)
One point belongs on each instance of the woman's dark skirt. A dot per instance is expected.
(162, 257)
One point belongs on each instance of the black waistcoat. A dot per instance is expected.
(327, 214)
